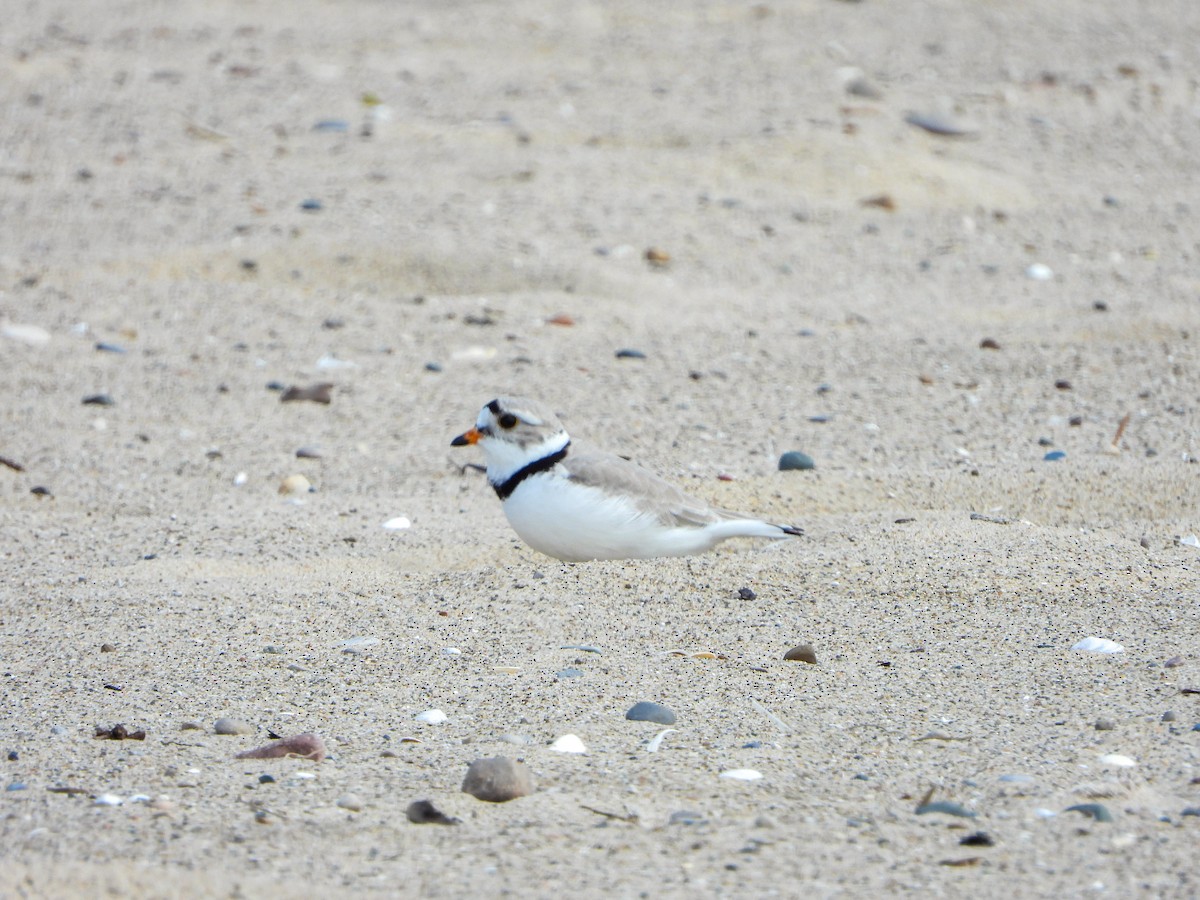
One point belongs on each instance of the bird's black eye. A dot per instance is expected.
(507, 420)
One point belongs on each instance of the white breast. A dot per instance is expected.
(574, 522)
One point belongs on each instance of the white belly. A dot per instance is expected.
(573, 522)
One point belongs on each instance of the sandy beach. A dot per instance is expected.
(948, 250)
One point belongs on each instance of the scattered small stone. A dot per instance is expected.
(562, 319)
(630, 353)
(745, 593)
(340, 126)
(802, 653)
(108, 648)
(978, 839)
(31, 335)
(98, 400)
(300, 746)
(879, 201)
(13, 756)
(685, 817)
(658, 257)
(423, 812)
(350, 802)
(569, 673)
(582, 648)
(226, 725)
(108, 800)
(433, 367)
(989, 344)
(1098, 645)
(296, 484)
(1062, 384)
(497, 779)
(948, 807)
(120, 733)
(1100, 306)
(266, 779)
(569, 743)
(399, 523)
(432, 717)
(308, 453)
(648, 711)
(1105, 725)
(742, 774)
(1168, 716)
(1173, 662)
(114, 687)
(1039, 272)
(316, 393)
(1097, 811)
(939, 125)
(11, 464)
(1190, 811)
(106, 347)
(794, 460)
(1054, 456)
(16, 786)
(1118, 760)
(311, 205)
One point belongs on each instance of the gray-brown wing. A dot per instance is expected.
(653, 495)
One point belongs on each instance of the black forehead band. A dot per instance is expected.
(494, 406)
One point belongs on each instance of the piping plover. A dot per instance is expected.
(577, 507)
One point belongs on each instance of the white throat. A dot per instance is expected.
(506, 458)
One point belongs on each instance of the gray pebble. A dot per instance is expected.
(1105, 725)
(1097, 811)
(645, 711)
(1168, 716)
(497, 779)
(945, 806)
(630, 353)
(350, 802)
(685, 817)
(794, 460)
(98, 400)
(423, 812)
(232, 726)
(569, 673)
(802, 653)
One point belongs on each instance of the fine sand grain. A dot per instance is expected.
(430, 204)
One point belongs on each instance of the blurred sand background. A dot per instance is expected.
(828, 274)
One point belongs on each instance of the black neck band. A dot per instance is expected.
(505, 488)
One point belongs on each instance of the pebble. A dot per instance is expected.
(315, 393)
(31, 335)
(399, 523)
(433, 367)
(978, 839)
(308, 453)
(685, 817)
(630, 353)
(1098, 645)
(745, 593)
(296, 484)
(1117, 759)
(948, 807)
(311, 205)
(742, 774)
(647, 711)
(334, 125)
(1105, 725)
(1054, 456)
(569, 743)
(423, 812)
(301, 746)
(1190, 811)
(16, 786)
(232, 726)
(939, 125)
(1097, 811)
(108, 800)
(569, 673)
(432, 717)
(98, 400)
(497, 779)
(1168, 716)
(350, 802)
(1039, 272)
(105, 347)
(802, 653)
(794, 460)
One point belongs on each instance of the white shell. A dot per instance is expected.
(569, 743)
(432, 717)
(108, 800)
(742, 774)
(397, 523)
(240, 478)
(1040, 272)
(655, 742)
(1117, 759)
(1099, 645)
(33, 335)
(1190, 541)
